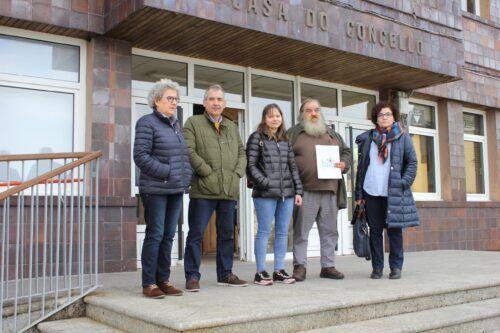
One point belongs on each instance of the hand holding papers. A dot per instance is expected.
(326, 159)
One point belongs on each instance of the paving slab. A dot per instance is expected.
(424, 274)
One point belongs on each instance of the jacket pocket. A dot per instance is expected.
(234, 185)
(210, 184)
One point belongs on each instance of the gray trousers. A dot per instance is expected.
(319, 206)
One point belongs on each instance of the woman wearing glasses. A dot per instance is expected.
(161, 155)
(387, 166)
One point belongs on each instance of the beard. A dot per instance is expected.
(317, 128)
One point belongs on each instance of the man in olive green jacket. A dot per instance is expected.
(218, 158)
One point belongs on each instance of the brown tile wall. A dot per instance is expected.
(118, 236)
(109, 80)
(459, 227)
(495, 11)
(481, 71)
(85, 15)
(479, 42)
(116, 11)
(437, 15)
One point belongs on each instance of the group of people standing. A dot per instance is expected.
(207, 158)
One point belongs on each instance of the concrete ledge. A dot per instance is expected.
(77, 325)
(431, 280)
(479, 316)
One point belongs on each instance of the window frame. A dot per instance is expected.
(483, 139)
(477, 7)
(78, 89)
(434, 133)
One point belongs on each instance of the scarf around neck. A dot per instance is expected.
(381, 136)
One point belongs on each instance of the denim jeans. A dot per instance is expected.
(162, 215)
(267, 210)
(200, 211)
(376, 214)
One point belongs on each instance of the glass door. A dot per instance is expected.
(349, 132)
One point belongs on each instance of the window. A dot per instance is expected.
(471, 6)
(231, 81)
(357, 105)
(146, 71)
(423, 130)
(267, 90)
(474, 155)
(29, 57)
(42, 97)
(327, 97)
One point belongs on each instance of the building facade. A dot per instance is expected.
(74, 76)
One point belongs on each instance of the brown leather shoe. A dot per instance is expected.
(192, 285)
(169, 289)
(152, 291)
(299, 273)
(232, 281)
(331, 273)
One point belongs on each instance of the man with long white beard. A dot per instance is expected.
(322, 197)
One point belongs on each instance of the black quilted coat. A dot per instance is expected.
(401, 208)
(162, 156)
(272, 166)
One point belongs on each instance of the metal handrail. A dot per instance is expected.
(49, 252)
(46, 156)
(83, 158)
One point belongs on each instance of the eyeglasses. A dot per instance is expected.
(384, 115)
(172, 99)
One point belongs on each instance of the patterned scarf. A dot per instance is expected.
(381, 136)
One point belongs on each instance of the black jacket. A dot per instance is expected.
(401, 210)
(272, 166)
(162, 156)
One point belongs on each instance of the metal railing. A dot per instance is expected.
(48, 235)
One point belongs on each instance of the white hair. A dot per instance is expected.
(156, 93)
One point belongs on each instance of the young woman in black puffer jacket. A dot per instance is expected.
(276, 188)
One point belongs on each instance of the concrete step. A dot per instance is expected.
(26, 315)
(240, 311)
(482, 316)
(76, 325)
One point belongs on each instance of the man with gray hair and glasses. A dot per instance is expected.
(322, 197)
(218, 159)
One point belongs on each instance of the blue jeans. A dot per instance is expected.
(376, 214)
(267, 210)
(162, 214)
(200, 211)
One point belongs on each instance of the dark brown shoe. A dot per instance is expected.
(232, 281)
(192, 285)
(152, 291)
(169, 289)
(331, 273)
(299, 273)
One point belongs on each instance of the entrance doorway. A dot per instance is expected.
(349, 132)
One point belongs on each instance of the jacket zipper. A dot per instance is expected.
(281, 172)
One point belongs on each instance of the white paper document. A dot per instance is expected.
(326, 157)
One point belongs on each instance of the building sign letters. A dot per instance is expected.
(320, 20)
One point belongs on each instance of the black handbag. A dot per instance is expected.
(361, 233)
